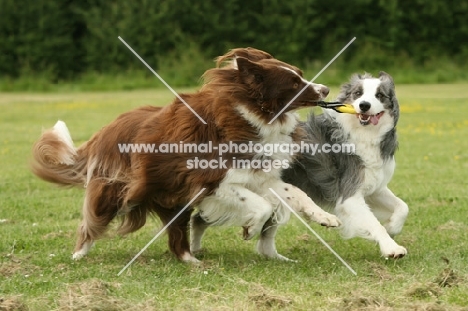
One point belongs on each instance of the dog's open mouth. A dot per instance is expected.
(365, 119)
(302, 104)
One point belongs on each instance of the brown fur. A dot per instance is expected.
(134, 185)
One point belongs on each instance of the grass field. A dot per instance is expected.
(38, 224)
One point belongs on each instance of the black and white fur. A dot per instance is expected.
(355, 185)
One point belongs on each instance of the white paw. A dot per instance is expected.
(393, 251)
(283, 258)
(275, 255)
(187, 257)
(85, 247)
(267, 248)
(325, 219)
(79, 254)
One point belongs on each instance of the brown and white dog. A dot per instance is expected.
(238, 99)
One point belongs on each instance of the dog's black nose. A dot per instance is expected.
(364, 106)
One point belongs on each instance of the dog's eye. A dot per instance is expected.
(357, 93)
(295, 85)
(380, 95)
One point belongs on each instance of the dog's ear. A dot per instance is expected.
(385, 77)
(388, 80)
(395, 110)
(251, 54)
(249, 72)
(357, 76)
(257, 55)
(345, 91)
(229, 57)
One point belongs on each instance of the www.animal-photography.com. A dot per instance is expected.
(173, 155)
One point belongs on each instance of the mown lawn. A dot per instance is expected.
(38, 223)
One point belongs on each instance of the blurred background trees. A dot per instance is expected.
(65, 39)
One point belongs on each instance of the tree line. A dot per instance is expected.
(65, 38)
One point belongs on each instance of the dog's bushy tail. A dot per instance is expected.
(325, 177)
(56, 160)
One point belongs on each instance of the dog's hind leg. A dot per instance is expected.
(358, 220)
(99, 208)
(177, 232)
(85, 236)
(389, 209)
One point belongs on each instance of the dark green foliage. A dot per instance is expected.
(61, 40)
(39, 37)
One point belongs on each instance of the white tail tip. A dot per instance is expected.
(60, 128)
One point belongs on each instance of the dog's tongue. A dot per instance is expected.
(375, 119)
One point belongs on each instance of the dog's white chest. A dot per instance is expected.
(367, 140)
(378, 172)
(377, 177)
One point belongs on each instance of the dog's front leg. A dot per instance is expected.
(301, 203)
(389, 209)
(358, 220)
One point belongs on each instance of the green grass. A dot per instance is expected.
(39, 221)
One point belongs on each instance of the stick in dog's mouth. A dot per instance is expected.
(337, 106)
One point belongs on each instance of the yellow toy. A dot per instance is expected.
(337, 106)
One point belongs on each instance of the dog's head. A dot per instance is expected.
(274, 85)
(371, 97)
